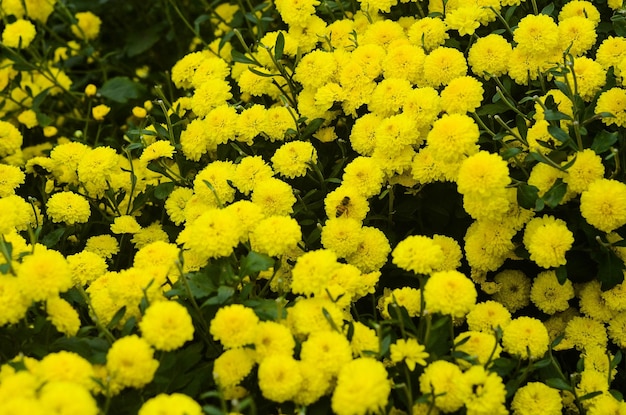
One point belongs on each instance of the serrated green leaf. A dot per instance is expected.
(603, 141)
(121, 89)
(255, 262)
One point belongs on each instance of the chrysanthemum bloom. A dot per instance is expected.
(68, 397)
(590, 77)
(489, 55)
(364, 340)
(234, 326)
(442, 65)
(592, 381)
(453, 137)
(363, 134)
(611, 51)
(465, 19)
(174, 404)
(429, 33)
(338, 235)
(548, 239)
(617, 330)
(157, 150)
(279, 378)
(537, 35)
(13, 304)
(409, 351)
(232, 366)
(275, 235)
(407, 297)
(130, 362)
(293, 159)
(592, 304)
(603, 204)
(63, 316)
(10, 139)
(151, 233)
(347, 202)
(125, 224)
(607, 403)
(449, 292)
(312, 272)
(577, 33)
(28, 119)
(19, 34)
(211, 94)
(100, 111)
(404, 61)
(536, 398)
(488, 244)
(166, 325)
(586, 169)
(487, 316)
(613, 102)
(362, 387)
(364, 174)
(68, 207)
(488, 393)
(445, 381)
(273, 338)
(308, 315)
(418, 254)
(372, 250)
(214, 234)
(218, 191)
(483, 173)
(88, 26)
(578, 8)
(330, 349)
(274, 196)
(424, 105)
(526, 337)
(550, 296)
(462, 95)
(66, 367)
(315, 69)
(103, 245)
(44, 274)
(10, 178)
(480, 347)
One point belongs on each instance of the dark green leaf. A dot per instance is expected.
(240, 57)
(200, 285)
(610, 270)
(255, 262)
(619, 24)
(312, 127)
(117, 318)
(280, 46)
(590, 395)
(548, 9)
(554, 196)
(527, 196)
(559, 133)
(552, 115)
(603, 141)
(53, 238)
(121, 89)
(510, 152)
(617, 395)
(163, 190)
(561, 274)
(140, 42)
(558, 383)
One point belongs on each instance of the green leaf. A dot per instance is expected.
(163, 190)
(552, 115)
(619, 24)
(255, 262)
(527, 196)
(603, 141)
(142, 41)
(559, 133)
(561, 274)
(121, 89)
(510, 152)
(548, 9)
(240, 57)
(558, 383)
(200, 285)
(280, 46)
(53, 238)
(610, 270)
(312, 127)
(556, 193)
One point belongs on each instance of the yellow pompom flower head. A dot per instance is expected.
(451, 293)
(419, 254)
(166, 325)
(409, 351)
(603, 204)
(19, 34)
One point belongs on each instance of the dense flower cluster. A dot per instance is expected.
(357, 207)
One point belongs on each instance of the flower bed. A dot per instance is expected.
(312, 206)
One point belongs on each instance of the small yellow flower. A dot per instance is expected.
(139, 112)
(410, 351)
(90, 90)
(100, 111)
